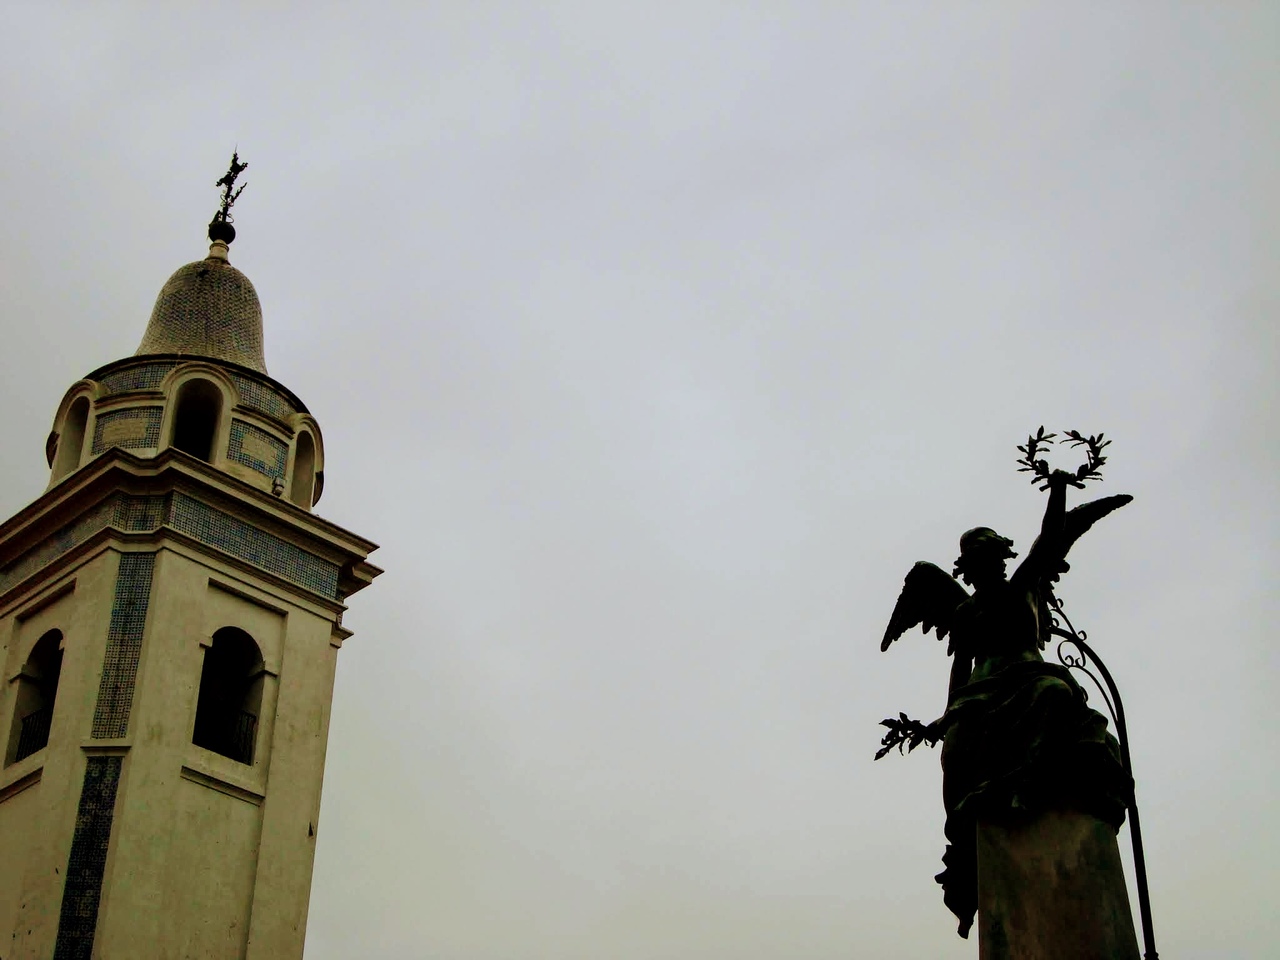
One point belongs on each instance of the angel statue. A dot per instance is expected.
(1018, 737)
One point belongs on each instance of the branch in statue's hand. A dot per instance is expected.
(908, 733)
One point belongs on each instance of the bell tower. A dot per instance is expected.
(170, 619)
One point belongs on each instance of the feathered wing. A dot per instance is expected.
(1077, 521)
(929, 597)
(1081, 518)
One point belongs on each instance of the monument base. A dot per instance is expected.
(1052, 888)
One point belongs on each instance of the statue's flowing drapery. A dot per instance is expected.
(1017, 743)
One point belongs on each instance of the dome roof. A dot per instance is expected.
(207, 309)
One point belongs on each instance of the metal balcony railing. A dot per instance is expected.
(246, 731)
(34, 734)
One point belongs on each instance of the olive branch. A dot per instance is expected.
(908, 733)
(1091, 469)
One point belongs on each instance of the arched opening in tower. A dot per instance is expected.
(71, 440)
(195, 418)
(304, 468)
(36, 693)
(230, 696)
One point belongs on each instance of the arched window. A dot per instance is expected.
(71, 441)
(36, 693)
(230, 695)
(304, 469)
(195, 418)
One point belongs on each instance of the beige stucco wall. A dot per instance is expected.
(223, 846)
(209, 858)
(20, 816)
(80, 608)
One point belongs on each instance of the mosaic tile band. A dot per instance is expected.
(78, 919)
(258, 396)
(55, 546)
(256, 546)
(136, 428)
(124, 646)
(147, 376)
(257, 449)
(122, 511)
(143, 514)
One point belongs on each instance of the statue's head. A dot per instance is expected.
(983, 553)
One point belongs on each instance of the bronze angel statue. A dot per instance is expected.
(1018, 736)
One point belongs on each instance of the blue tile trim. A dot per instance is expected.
(147, 376)
(262, 398)
(124, 646)
(235, 449)
(141, 514)
(147, 436)
(120, 510)
(87, 862)
(256, 546)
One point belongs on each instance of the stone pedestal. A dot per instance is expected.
(1052, 888)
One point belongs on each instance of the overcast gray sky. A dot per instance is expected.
(654, 342)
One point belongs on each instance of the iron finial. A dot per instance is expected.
(220, 228)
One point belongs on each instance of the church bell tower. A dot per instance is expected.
(170, 619)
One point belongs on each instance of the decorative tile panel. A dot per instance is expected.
(139, 514)
(124, 645)
(55, 546)
(147, 376)
(87, 861)
(260, 397)
(124, 512)
(138, 427)
(255, 546)
(257, 449)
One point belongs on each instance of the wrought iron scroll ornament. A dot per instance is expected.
(936, 601)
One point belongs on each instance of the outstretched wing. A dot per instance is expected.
(929, 597)
(1081, 518)
(1074, 524)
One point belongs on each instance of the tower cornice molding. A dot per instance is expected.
(197, 498)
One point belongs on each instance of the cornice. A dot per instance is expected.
(174, 472)
(117, 469)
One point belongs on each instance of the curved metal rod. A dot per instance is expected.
(1116, 708)
(1081, 663)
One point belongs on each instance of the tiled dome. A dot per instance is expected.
(208, 309)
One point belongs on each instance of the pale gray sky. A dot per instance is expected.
(654, 343)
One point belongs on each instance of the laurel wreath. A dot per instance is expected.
(1091, 469)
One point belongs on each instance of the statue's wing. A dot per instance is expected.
(929, 597)
(1077, 521)
(1081, 518)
